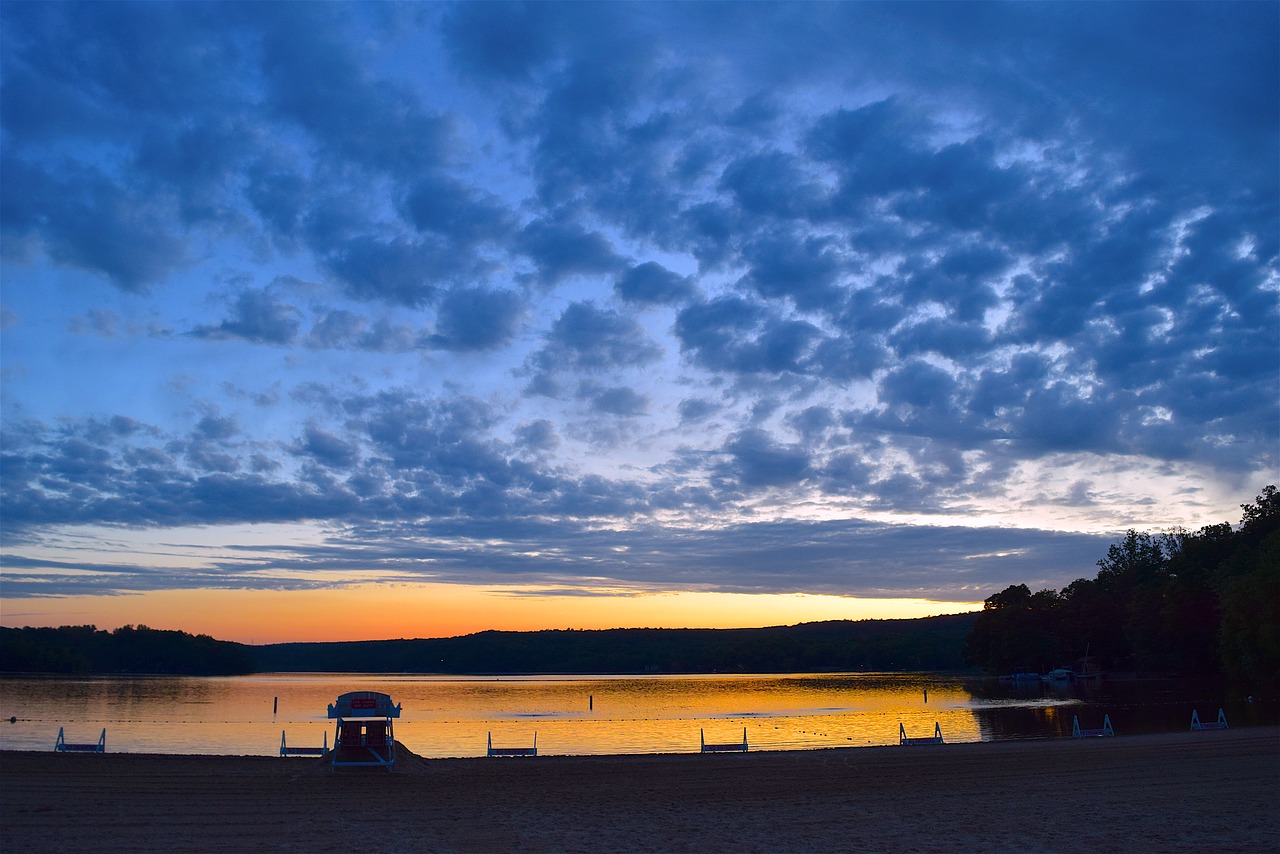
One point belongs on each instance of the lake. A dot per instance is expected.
(447, 716)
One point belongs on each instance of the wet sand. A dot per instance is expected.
(1208, 791)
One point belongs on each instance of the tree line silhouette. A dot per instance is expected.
(87, 649)
(931, 643)
(1206, 603)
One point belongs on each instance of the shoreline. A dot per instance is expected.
(1189, 791)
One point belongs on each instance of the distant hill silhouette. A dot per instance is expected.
(86, 649)
(932, 643)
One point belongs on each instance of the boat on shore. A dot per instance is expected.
(1021, 674)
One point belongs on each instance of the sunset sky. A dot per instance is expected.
(340, 321)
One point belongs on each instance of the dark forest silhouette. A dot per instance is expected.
(932, 643)
(87, 649)
(1197, 603)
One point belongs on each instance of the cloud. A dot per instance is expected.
(83, 218)
(538, 435)
(442, 204)
(400, 270)
(279, 195)
(192, 160)
(315, 78)
(693, 410)
(755, 459)
(788, 265)
(618, 400)
(256, 316)
(741, 337)
(560, 250)
(328, 449)
(841, 558)
(545, 274)
(919, 385)
(475, 319)
(652, 283)
(774, 183)
(589, 339)
(341, 329)
(874, 150)
(504, 42)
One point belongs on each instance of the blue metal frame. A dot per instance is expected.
(64, 746)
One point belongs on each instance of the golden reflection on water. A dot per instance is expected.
(451, 716)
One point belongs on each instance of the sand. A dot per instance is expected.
(1208, 791)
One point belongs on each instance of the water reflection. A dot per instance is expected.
(451, 716)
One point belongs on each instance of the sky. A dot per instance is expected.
(335, 321)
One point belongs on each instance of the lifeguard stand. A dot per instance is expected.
(364, 735)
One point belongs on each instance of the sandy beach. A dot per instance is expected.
(1208, 791)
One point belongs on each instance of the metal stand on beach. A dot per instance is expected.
(64, 746)
(364, 734)
(723, 747)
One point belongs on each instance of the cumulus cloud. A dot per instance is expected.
(328, 449)
(547, 273)
(257, 316)
(475, 319)
(559, 250)
(756, 460)
(589, 339)
(84, 218)
(618, 400)
(651, 282)
(442, 204)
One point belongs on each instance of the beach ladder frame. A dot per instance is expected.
(722, 747)
(1197, 725)
(490, 750)
(64, 746)
(286, 750)
(1078, 732)
(936, 738)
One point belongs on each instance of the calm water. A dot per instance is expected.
(451, 716)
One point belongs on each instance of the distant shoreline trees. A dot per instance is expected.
(1195, 603)
(141, 650)
(930, 643)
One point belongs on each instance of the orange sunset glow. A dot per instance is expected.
(377, 612)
